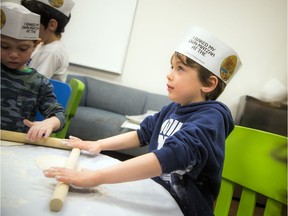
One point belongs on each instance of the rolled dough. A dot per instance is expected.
(8, 143)
(47, 161)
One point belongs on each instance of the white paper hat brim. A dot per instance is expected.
(18, 22)
(208, 51)
(64, 6)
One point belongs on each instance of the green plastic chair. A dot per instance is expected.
(72, 105)
(255, 160)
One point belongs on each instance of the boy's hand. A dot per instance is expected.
(83, 178)
(89, 146)
(38, 130)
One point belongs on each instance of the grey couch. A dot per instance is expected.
(104, 105)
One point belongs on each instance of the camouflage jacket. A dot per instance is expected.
(22, 94)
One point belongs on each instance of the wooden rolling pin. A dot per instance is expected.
(61, 190)
(21, 137)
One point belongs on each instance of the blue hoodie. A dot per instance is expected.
(189, 142)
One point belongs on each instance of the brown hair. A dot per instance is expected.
(204, 75)
(47, 13)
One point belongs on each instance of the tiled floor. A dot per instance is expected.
(259, 211)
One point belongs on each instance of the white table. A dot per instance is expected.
(26, 191)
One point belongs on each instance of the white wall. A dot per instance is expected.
(256, 29)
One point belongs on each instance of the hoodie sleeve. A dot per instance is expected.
(151, 125)
(48, 106)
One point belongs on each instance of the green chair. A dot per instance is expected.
(255, 160)
(72, 105)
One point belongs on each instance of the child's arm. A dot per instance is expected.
(118, 142)
(142, 167)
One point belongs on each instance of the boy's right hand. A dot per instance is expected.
(89, 146)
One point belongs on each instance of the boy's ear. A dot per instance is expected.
(213, 80)
(52, 25)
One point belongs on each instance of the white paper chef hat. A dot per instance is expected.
(207, 50)
(18, 22)
(64, 6)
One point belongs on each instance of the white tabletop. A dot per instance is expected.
(26, 191)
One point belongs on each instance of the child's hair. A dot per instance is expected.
(47, 13)
(204, 76)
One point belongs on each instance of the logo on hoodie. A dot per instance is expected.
(168, 128)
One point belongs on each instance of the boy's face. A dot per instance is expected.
(43, 33)
(15, 53)
(184, 85)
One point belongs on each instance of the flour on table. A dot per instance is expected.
(8, 143)
(12, 202)
(48, 161)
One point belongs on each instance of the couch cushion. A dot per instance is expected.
(115, 98)
(93, 124)
(155, 102)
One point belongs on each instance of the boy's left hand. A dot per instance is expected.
(38, 130)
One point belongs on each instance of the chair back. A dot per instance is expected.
(255, 160)
(62, 91)
(72, 105)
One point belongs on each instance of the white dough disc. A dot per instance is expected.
(8, 143)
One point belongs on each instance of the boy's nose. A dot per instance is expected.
(13, 54)
(170, 75)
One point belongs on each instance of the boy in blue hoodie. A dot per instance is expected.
(186, 138)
